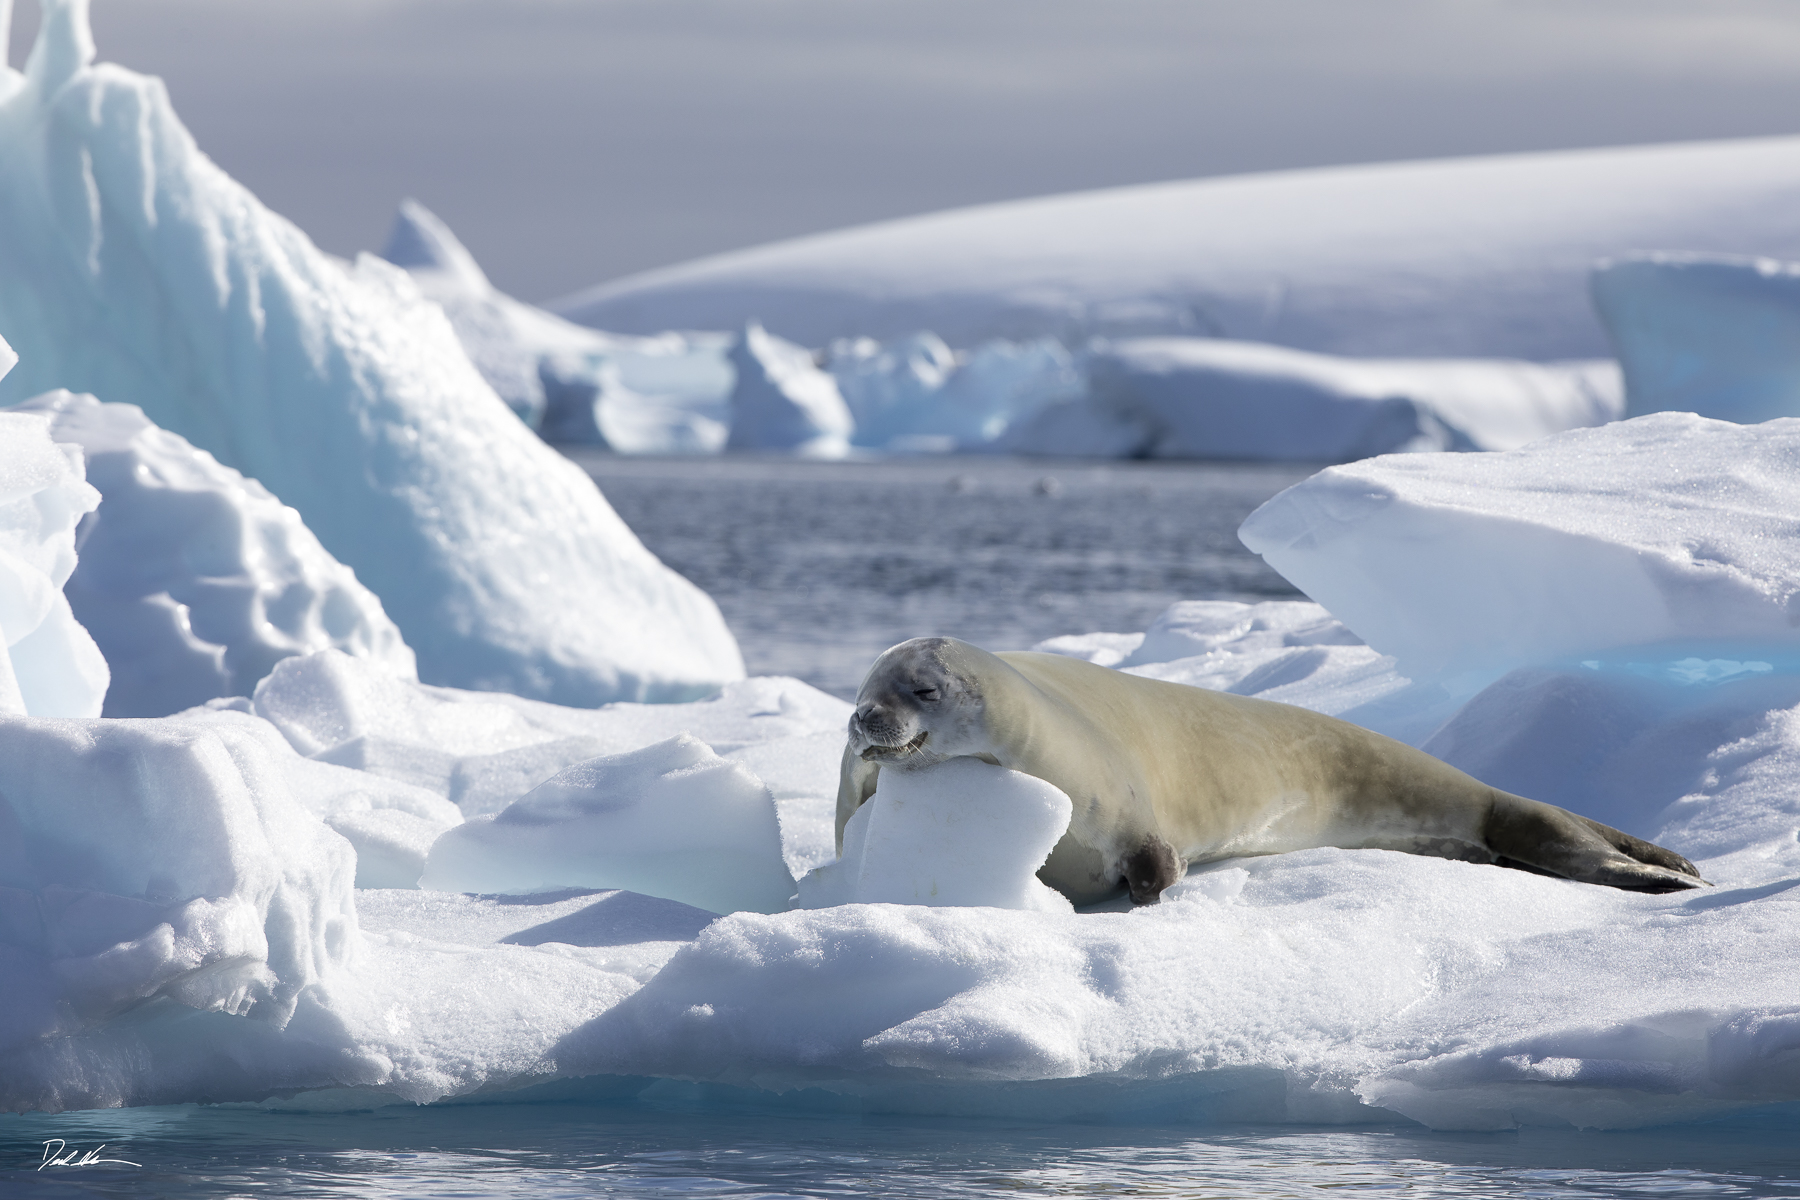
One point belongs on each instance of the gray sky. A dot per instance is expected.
(572, 141)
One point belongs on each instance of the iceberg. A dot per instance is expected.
(1710, 334)
(1465, 258)
(562, 379)
(1207, 398)
(672, 820)
(914, 394)
(132, 268)
(193, 580)
(783, 401)
(49, 664)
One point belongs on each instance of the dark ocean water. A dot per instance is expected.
(818, 567)
(556, 1150)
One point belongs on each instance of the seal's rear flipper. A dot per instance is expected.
(1548, 839)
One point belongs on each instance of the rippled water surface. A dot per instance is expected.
(570, 1150)
(818, 567)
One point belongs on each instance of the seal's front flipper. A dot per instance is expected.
(1150, 868)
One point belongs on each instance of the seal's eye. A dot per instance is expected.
(926, 693)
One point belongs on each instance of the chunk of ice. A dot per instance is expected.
(960, 833)
(672, 820)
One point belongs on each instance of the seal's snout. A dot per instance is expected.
(871, 726)
(877, 733)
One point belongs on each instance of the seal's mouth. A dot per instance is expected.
(874, 752)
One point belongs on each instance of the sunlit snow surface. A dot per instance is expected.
(1470, 257)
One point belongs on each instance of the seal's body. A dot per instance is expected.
(1162, 775)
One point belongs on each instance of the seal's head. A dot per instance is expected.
(916, 707)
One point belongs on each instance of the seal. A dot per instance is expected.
(1163, 775)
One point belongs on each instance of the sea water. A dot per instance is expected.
(818, 567)
(662, 1150)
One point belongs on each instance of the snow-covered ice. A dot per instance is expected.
(672, 820)
(1207, 398)
(193, 580)
(1668, 528)
(134, 269)
(1711, 334)
(960, 833)
(1473, 257)
(49, 665)
(154, 860)
(783, 401)
(482, 750)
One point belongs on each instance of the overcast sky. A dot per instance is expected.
(572, 141)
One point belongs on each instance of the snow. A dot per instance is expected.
(193, 580)
(1711, 334)
(1668, 528)
(482, 750)
(783, 401)
(132, 268)
(1207, 398)
(960, 833)
(1467, 258)
(671, 820)
(50, 666)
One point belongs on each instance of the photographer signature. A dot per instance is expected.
(58, 1154)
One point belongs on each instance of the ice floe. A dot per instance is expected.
(1321, 985)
